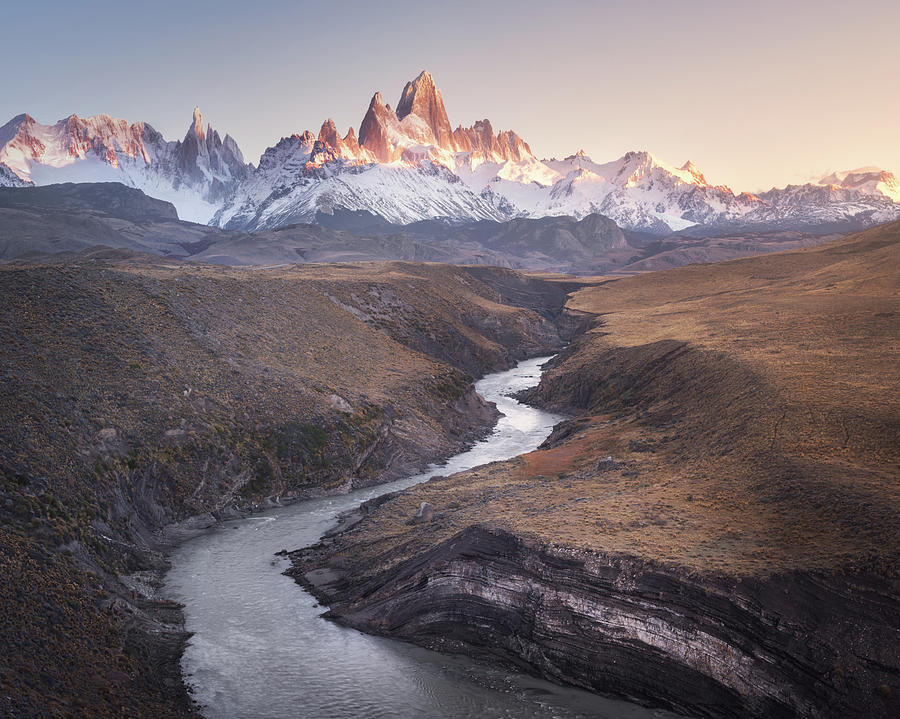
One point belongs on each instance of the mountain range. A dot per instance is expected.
(76, 218)
(407, 164)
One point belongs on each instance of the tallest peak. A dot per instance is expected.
(422, 88)
(421, 98)
(197, 124)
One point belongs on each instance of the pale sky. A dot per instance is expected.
(756, 94)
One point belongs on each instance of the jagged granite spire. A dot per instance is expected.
(374, 132)
(420, 97)
(197, 125)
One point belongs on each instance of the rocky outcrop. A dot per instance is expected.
(375, 129)
(421, 98)
(328, 134)
(203, 158)
(482, 142)
(350, 142)
(798, 645)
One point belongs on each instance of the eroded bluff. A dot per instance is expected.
(795, 645)
(143, 399)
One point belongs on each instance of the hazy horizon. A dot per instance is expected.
(755, 96)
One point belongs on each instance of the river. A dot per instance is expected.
(261, 649)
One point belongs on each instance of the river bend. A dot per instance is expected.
(260, 648)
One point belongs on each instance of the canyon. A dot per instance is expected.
(144, 400)
(715, 529)
(721, 508)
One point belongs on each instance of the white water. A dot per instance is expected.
(260, 648)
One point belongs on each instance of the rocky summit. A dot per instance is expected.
(406, 164)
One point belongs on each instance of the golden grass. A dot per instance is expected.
(751, 408)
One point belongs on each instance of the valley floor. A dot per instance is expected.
(718, 528)
(143, 398)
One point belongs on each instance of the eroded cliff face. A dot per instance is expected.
(715, 530)
(143, 400)
(150, 393)
(793, 645)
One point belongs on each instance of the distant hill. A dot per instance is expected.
(112, 198)
(74, 217)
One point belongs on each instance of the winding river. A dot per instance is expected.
(260, 648)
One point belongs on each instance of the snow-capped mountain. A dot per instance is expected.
(196, 174)
(852, 198)
(867, 180)
(838, 201)
(303, 176)
(8, 178)
(638, 191)
(408, 164)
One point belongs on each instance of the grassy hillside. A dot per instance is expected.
(740, 417)
(723, 510)
(137, 392)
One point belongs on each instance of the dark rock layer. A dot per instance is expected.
(143, 402)
(796, 645)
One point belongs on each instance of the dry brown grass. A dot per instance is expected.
(750, 407)
(136, 391)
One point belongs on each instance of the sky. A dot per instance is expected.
(756, 94)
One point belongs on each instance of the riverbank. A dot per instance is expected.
(144, 399)
(262, 650)
(722, 511)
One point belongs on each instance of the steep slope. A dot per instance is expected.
(475, 173)
(722, 511)
(195, 174)
(8, 178)
(407, 165)
(421, 98)
(400, 193)
(138, 392)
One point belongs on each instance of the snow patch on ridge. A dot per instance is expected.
(408, 166)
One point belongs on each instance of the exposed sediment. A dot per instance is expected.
(798, 644)
(143, 400)
(717, 529)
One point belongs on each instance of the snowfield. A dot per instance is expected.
(409, 165)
